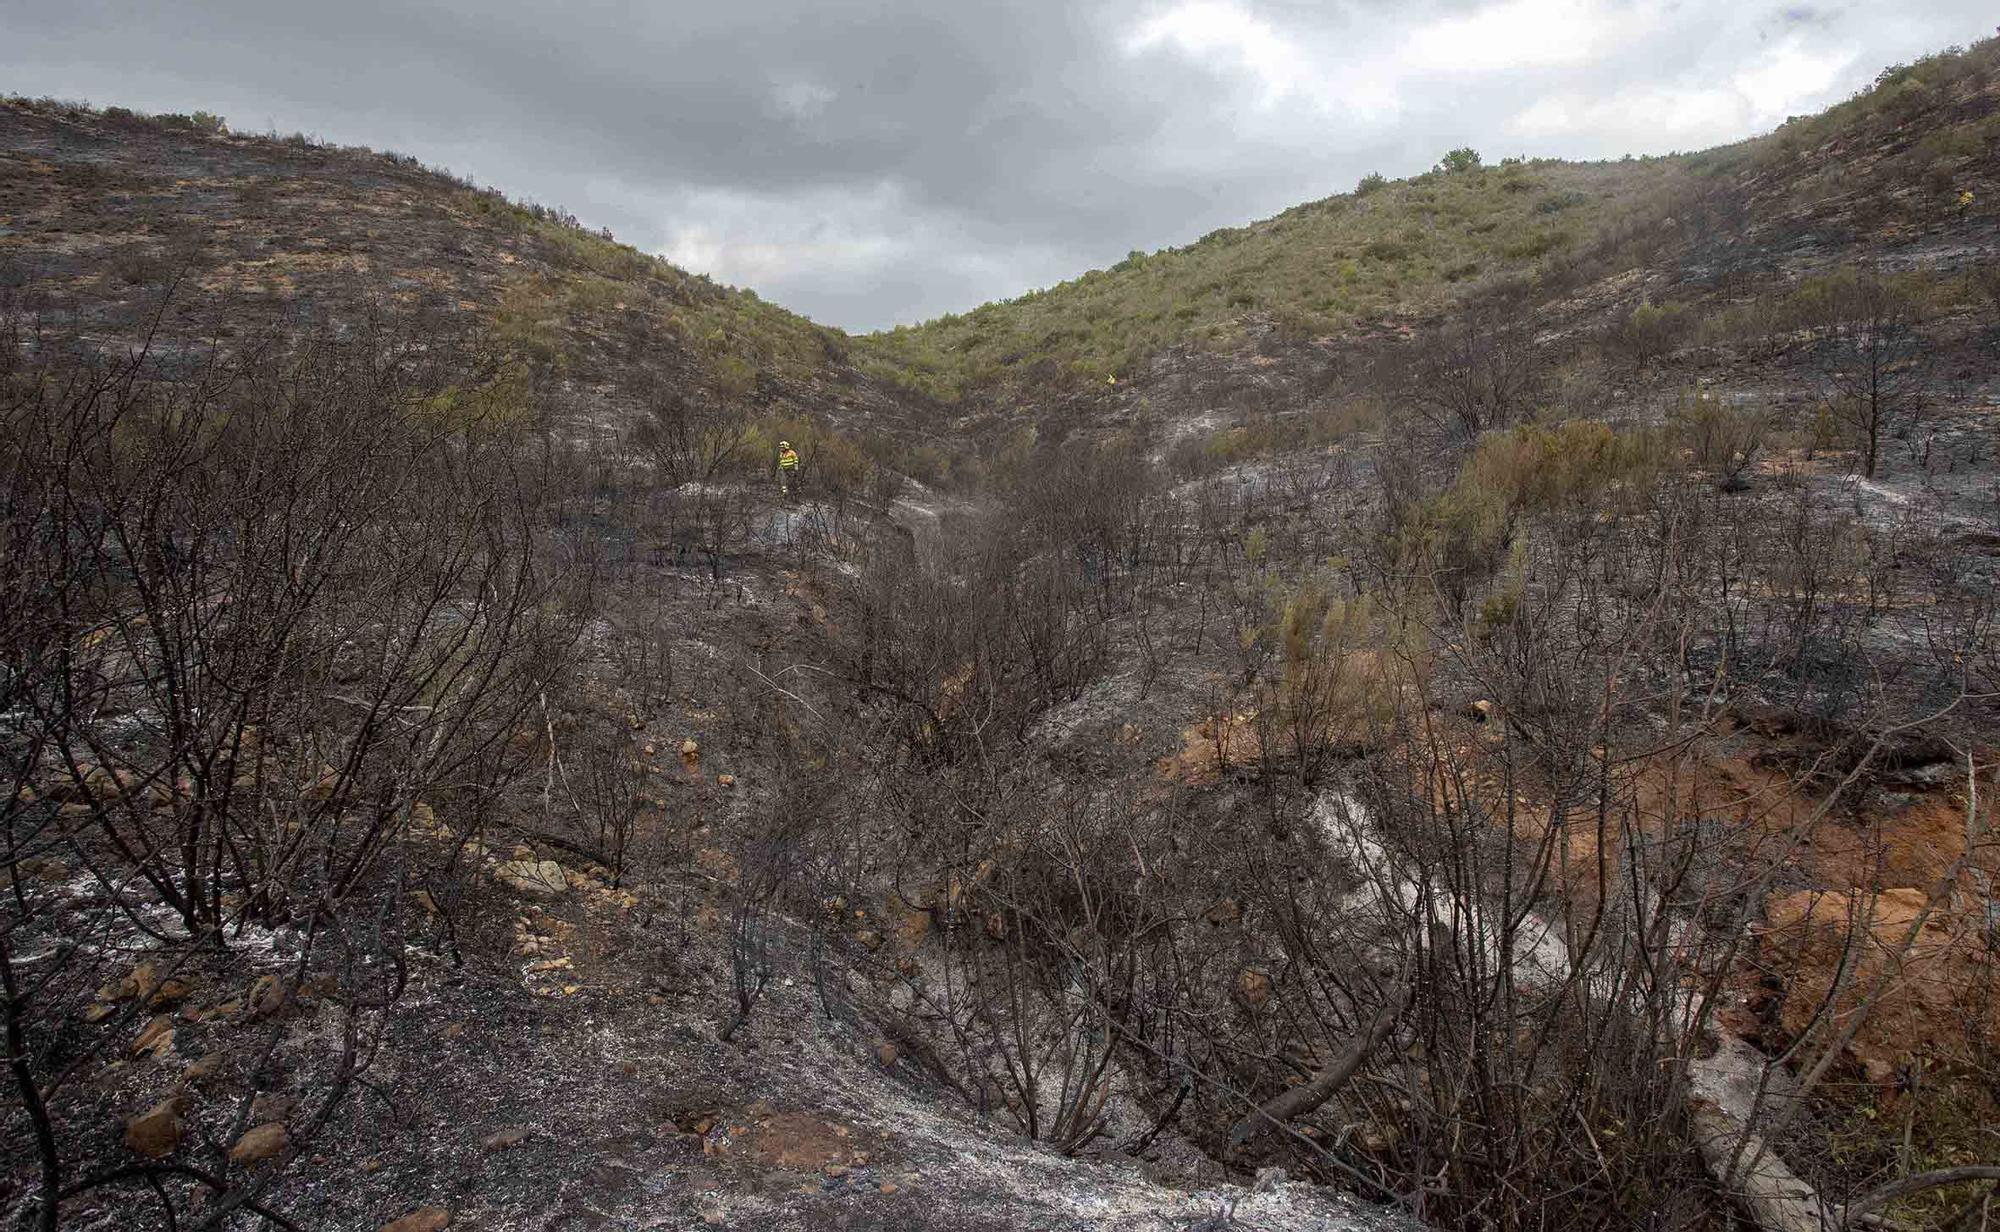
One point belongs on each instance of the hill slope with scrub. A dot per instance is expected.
(1910, 157)
(109, 215)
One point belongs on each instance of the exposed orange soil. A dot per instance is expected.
(1844, 883)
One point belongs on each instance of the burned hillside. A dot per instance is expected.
(1518, 753)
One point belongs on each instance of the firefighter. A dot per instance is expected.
(788, 467)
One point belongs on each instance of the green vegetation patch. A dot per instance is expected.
(1385, 249)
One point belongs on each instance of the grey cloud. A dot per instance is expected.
(876, 161)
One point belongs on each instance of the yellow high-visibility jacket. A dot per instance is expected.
(788, 460)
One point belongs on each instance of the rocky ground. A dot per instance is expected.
(567, 1073)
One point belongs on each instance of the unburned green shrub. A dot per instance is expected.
(1650, 333)
(1721, 438)
(829, 462)
(1455, 542)
(1459, 161)
(734, 376)
(1536, 468)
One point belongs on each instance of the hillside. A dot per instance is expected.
(104, 213)
(106, 208)
(1344, 263)
(1394, 253)
(1492, 719)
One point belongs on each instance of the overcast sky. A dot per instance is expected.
(870, 162)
